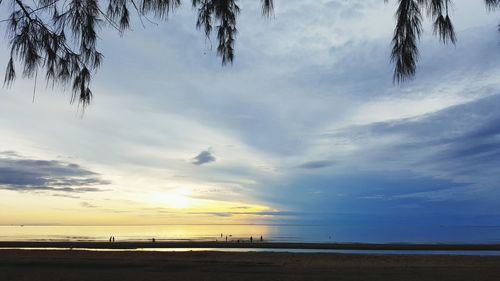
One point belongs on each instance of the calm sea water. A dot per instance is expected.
(276, 233)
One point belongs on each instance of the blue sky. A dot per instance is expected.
(306, 126)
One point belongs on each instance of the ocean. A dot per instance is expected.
(270, 233)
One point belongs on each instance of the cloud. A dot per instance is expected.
(204, 157)
(461, 142)
(327, 72)
(9, 153)
(317, 164)
(21, 174)
(88, 205)
(65, 195)
(262, 213)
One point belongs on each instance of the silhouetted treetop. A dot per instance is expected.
(58, 38)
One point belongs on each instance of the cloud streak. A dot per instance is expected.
(261, 214)
(317, 164)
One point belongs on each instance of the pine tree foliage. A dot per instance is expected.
(58, 38)
(409, 16)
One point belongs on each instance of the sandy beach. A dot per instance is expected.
(246, 245)
(75, 265)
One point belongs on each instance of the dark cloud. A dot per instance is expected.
(463, 139)
(204, 157)
(317, 164)
(22, 174)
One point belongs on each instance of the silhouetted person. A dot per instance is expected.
(221, 235)
(251, 239)
(261, 239)
(154, 240)
(109, 238)
(226, 238)
(113, 239)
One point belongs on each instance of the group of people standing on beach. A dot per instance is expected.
(238, 241)
(112, 239)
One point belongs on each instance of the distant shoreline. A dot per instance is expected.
(248, 245)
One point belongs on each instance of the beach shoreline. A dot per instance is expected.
(246, 245)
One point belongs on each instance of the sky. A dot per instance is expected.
(305, 127)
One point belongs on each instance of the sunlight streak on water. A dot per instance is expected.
(240, 250)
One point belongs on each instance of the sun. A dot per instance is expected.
(175, 199)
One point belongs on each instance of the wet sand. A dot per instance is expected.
(74, 265)
(246, 244)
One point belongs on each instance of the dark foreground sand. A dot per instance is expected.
(73, 265)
